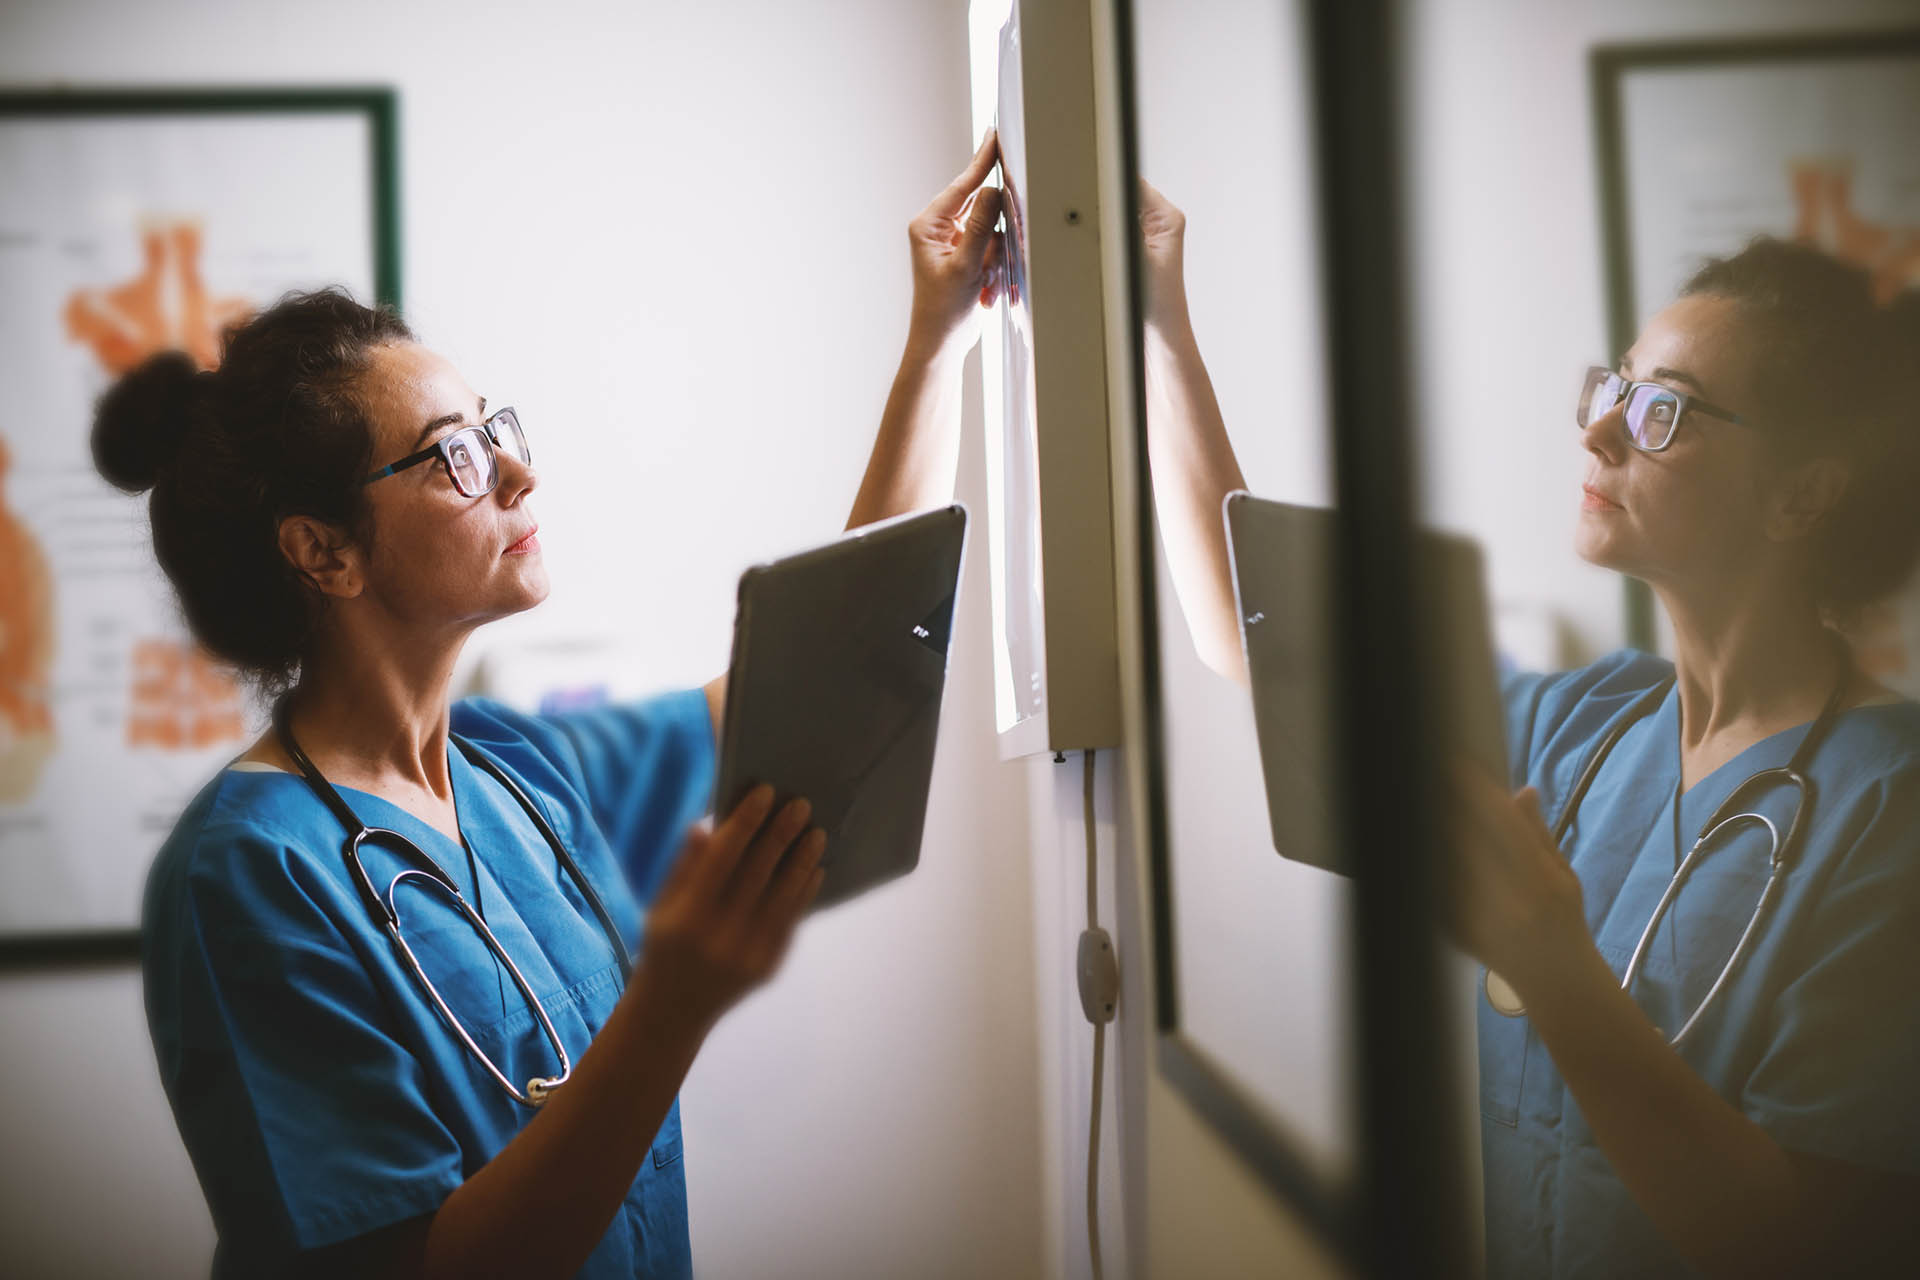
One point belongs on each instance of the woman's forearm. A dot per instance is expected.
(542, 1204)
(1194, 469)
(1719, 1189)
(916, 452)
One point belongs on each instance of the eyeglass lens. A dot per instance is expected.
(469, 458)
(469, 452)
(509, 436)
(1652, 412)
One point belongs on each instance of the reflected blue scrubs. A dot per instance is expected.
(318, 1091)
(1816, 1037)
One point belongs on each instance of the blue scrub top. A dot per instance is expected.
(1816, 1037)
(319, 1092)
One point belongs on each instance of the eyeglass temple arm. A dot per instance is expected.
(411, 460)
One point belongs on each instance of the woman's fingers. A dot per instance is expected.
(731, 836)
(951, 201)
(984, 213)
(690, 865)
(764, 854)
(797, 883)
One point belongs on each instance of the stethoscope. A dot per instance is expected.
(1730, 815)
(429, 872)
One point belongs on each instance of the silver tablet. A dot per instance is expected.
(1283, 579)
(839, 662)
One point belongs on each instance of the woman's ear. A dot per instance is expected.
(1806, 496)
(324, 555)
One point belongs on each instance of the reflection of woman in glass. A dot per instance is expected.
(365, 1081)
(1753, 459)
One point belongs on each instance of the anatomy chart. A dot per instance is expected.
(121, 236)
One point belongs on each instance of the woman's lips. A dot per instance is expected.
(526, 545)
(1591, 499)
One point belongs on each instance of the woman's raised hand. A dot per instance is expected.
(722, 921)
(1163, 234)
(956, 254)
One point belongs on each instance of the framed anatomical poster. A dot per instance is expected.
(133, 222)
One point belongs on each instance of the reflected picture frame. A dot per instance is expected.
(1700, 67)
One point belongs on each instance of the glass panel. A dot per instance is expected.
(1235, 400)
(506, 425)
(1649, 257)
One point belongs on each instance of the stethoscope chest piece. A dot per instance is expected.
(1500, 994)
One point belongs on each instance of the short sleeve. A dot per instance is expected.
(1552, 718)
(1520, 699)
(308, 1121)
(1838, 1073)
(645, 769)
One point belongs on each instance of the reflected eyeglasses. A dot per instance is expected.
(469, 454)
(1653, 412)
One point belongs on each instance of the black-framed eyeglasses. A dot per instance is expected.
(469, 453)
(1653, 411)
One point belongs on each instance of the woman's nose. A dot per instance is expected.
(517, 478)
(1606, 436)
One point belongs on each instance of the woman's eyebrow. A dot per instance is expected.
(446, 420)
(1660, 373)
(1663, 374)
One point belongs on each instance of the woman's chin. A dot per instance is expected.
(534, 586)
(1596, 544)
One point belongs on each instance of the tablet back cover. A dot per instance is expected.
(1283, 560)
(839, 664)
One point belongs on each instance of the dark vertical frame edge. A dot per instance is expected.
(115, 948)
(1412, 1205)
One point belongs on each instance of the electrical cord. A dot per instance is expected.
(1099, 1027)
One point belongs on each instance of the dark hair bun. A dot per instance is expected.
(142, 420)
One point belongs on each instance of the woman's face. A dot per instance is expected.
(436, 556)
(1694, 516)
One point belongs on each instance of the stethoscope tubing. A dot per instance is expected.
(427, 869)
(1727, 814)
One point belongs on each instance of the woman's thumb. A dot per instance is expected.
(983, 214)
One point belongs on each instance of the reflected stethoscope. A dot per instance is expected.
(429, 872)
(1506, 1001)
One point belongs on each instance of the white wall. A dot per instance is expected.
(673, 235)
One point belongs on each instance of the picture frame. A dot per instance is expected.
(134, 220)
(1807, 136)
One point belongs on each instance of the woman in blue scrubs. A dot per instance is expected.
(1764, 486)
(338, 511)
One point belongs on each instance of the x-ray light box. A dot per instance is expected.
(1044, 386)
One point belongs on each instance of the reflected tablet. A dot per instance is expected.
(839, 662)
(1282, 576)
